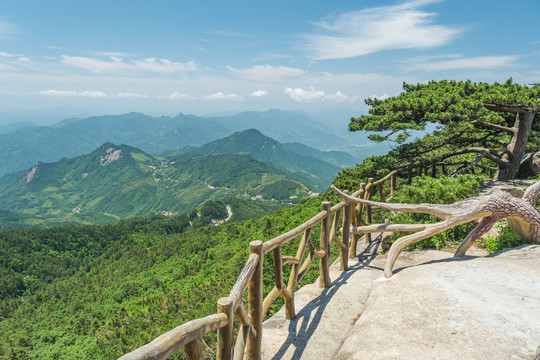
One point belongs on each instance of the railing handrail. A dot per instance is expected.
(188, 335)
(288, 236)
(168, 343)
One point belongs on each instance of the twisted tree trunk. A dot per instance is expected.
(516, 148)
(489, 208)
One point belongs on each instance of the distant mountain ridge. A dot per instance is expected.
(308, 169)
(339, 158)
(119, 181)
(23, 147)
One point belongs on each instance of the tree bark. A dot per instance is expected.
(516, 147)
(490, 209)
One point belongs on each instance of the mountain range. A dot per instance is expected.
(303, 162)
(119, 181)
(23, 146)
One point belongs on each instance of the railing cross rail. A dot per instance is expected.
(249, 335)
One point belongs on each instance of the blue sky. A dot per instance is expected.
(166, 57)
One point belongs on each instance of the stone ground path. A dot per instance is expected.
(434, 307)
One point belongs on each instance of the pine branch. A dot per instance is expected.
(507, 129)
(492, 155)
(511, 108)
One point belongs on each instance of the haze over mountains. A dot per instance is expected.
(21, 148)
(115, 182)
(55, 175)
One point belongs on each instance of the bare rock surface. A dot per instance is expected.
(434, 307)
(514, 187)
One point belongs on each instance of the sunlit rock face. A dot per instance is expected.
(30, 174)
(112, 155)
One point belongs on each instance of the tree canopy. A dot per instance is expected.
(495, 121)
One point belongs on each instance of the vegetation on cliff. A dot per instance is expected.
(83, 292)
(494, 121)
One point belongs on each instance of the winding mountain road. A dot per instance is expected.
(229, 213)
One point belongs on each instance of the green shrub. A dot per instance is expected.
(506, 239)
(444, 190)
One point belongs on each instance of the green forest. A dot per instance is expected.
(99, 291)
(88, 190)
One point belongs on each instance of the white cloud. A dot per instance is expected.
(131, 95)
(9, 55)
(164, 65)
(266, 72)
(222, 96)
(23, 58)
(95, 65)
(380, 97)
(58, 93)
(174, 96)
(358, 33)
(259, 93)
(92, 94)
(480, 62)
(117, 65)
(302, 95)
(339, 97)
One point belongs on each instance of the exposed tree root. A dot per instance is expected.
(489, 208)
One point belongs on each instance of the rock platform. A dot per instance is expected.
(434, 307)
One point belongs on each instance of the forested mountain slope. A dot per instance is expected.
(23, 147)
(83, 292)
(118, 181)
(306, 168)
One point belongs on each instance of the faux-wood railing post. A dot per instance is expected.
(278, 267)
(344, 253)
(324, 264)
(354, 237)
(225, 334)
(356, 218)
(369, 193)
(381, 193)
(392, 185)
(193, 350)
(255, 300)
